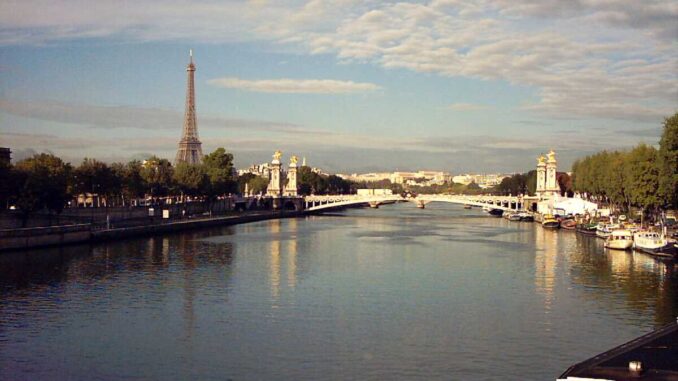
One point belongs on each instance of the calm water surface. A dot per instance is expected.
(393, 293)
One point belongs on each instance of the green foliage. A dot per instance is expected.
(191, 179)
(643, 177)
(95, 177)
(667, 163)
(531, 182)
(243, 180)
(337, 185)
(219, 168)
(133, 183)
(157, 174)
(257, 185)
(513, 185)
(9, 184)
(310, 182)
(473, 186)
(44, 182)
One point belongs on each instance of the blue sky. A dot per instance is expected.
(352, 85)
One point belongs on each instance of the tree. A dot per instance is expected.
(95, 177)
(337, 185)
(667, 163)
(157, 174)
(219, 169)
(9, 184)
(243, 182)
(643, 178)
(310, 182)
(45, 181)
(616, 181)
(190, 179)
(257, 185)
(513, 185)
(133, 184)
(531, 182)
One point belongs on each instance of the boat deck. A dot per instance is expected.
(657, 351)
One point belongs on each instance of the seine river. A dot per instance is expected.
(393, 293)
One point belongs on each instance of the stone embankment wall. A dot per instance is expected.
(45, 236)
(17, 239)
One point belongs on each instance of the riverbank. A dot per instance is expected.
(31, 238)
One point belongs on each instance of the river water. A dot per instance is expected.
(393, 293)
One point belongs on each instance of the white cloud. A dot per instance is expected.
(296, 86)
(466, 106)
(611, 59)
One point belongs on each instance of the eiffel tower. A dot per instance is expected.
(190, 148)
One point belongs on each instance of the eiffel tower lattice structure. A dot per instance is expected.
(190, 147)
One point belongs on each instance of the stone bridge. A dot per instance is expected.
(506, 203)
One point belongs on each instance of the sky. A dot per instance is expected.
(353, 86)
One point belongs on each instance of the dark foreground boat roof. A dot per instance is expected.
(657, 352)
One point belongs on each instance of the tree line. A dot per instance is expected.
(46, 182)
(642, 177)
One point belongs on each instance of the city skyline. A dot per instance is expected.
(353, 86)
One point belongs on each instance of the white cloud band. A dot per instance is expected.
(294, 86)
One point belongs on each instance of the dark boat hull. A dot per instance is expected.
(668, 251)
(586, 230)
(551, 225)
(496, 212)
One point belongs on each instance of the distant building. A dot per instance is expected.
(318, 171)
(483, 180)
(374, 192)
(367, 177)
(423, 178)
(5, 155)
(263, 170)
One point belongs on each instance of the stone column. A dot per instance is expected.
(291, 189)
(274, 185)
(551, 181)
(541, 175)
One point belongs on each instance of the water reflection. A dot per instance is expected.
(645, 282)
(274, 262)
(381, 294)
(546, 243)
(292, 255)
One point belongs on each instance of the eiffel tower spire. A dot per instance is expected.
(190, 147)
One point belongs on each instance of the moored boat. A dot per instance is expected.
(496, 212)
(467, 206)
(550, 222)
(653, 243)
(604, 230)
(620, 239)
(526, 217)
(587, 229)
(493, 212)
(568, 224)
(514, 217)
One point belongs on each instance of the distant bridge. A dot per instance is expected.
(505, 203)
